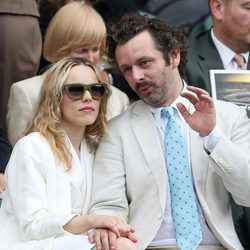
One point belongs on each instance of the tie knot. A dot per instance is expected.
(167, 112)
(240, 60)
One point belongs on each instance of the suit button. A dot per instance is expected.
(220, 162)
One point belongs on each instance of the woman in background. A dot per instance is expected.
(49, 173)
(76, 30)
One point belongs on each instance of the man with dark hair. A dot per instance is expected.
(171, 163)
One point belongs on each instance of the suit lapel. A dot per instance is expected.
(208, 54)
(88, 160)
(147, 136)
(86, 165)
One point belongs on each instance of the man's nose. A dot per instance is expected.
(138, 74)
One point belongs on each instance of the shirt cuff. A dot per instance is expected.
(210, 141)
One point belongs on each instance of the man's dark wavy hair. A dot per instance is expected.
(166, 37)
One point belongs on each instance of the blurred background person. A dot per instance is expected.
(20, 46)
(216, 48)
(76, 30)
(5, 151)
(49, 175)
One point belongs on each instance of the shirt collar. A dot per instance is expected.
(226, 54)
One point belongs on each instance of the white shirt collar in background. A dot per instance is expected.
(227, 54)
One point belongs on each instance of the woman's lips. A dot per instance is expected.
(87, 109)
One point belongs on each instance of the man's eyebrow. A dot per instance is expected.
(143, 58)
(140, 59)
(123, 65)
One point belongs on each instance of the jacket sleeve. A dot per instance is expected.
(5, 150)
(29, 184)
(19, 113)
(109, 194)
(231, 156)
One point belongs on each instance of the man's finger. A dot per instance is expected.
(104, 239)
(97, 239)
(112, 240)
(184, 112)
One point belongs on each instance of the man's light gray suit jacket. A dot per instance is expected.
(129, 176)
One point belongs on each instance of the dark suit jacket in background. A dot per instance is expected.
(5, 150)
(20, 45)
(203, 56)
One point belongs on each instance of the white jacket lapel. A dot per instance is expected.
(150, 144)
(88, 161)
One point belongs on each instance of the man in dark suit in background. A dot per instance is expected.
(5, 151)
(216, 48)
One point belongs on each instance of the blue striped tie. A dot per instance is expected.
(183, 201)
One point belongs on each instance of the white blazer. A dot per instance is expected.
(129, 177)
(33, 211)
(24, 97)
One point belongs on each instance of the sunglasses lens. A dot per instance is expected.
(97, 91)
(75, 92)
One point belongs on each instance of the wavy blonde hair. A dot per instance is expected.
(47, 119)
(74, 24)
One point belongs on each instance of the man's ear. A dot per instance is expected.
(175, 58)
(217, 9)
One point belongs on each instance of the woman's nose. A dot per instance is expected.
(87, 96)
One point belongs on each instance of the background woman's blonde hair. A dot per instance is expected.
(74, 24)
(47, 119)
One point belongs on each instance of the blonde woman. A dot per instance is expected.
(50, 170)
(76, 30)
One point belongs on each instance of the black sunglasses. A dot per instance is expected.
(76, 91)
